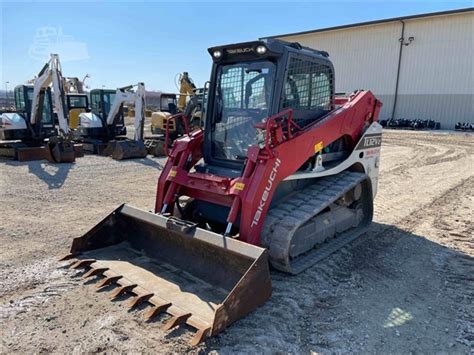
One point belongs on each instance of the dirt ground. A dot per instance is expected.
(405, 286)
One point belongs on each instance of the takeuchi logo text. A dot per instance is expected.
(266, 193)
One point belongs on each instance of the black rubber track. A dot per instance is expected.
(284, 219)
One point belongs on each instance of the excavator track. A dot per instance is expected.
(288, 226)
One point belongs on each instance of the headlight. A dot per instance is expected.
(261, 49)
(217, 54)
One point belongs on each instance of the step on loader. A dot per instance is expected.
(284, 174)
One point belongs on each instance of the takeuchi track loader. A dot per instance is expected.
(284, 174)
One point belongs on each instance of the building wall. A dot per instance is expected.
(436, 71)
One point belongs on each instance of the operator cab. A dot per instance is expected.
(93, 124)
(76, 104)
(101, 102)
(168, 103)
(255, 80)
(17, 125)
(77, 101)
(251, 82)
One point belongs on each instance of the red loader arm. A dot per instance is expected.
(287, 147)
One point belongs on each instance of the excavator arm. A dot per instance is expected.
(186, 87)
(125, 96)
(50, 74)
(128, 148)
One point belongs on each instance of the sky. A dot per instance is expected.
(123, 42)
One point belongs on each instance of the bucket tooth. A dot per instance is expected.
(68, 257)
(122, 290)
(109, 280)
(176, 321)
(93, 272)
(156, 309)
(200, 335)
(140, 299)
(83, 263)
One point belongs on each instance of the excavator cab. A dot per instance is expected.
(24, 140)
(93, 125)
(168, 103)
(76, 104)
(17, 126)
(104, 128)
(167, 108)
(177, 117)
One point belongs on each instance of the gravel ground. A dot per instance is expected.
(405, 286)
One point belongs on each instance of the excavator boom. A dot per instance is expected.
(51, 74)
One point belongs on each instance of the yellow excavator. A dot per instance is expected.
(176, 118)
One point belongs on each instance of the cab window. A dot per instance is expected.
(307, 89)
(95, 101)
(19, 99)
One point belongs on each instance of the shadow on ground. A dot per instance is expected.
(389, 291)
(53, 174)
(148, 162)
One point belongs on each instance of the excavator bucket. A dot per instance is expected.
(125, 149)
(54, 152)
(156, 147)
(62, 151)
(200, 278)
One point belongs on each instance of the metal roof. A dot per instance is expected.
(368, 23)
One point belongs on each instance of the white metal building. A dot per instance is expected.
(421, 67)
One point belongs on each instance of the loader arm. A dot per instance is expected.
(51, 73)
(284, 152)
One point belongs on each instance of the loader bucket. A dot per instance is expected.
(126, 149)
(202, 279)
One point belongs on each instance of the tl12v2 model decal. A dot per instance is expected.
(370, 141)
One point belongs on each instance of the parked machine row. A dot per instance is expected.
(55, 120)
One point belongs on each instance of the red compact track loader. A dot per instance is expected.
(284, 174)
